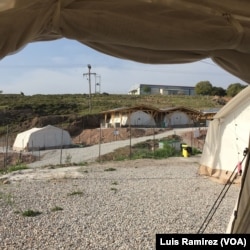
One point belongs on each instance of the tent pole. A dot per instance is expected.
(61, 147)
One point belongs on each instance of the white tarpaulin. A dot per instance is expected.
(42, 138)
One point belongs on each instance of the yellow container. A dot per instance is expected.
(185, 150)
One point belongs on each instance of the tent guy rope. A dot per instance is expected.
(222, 194)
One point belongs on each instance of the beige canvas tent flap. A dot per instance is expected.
(148, 31)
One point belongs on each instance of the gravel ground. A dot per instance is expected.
(109, 210)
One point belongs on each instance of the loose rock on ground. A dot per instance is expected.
(113, 205)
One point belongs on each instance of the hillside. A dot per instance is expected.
(72, 112)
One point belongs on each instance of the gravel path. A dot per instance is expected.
(121, 209)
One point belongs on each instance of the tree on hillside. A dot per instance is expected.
(203, 88)
(218, 91)
(146, 89)
(234, 88)
(133, 92)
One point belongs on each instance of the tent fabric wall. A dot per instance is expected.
(240, 219)
(219, 30)
(227, 138)
(177, 118)
(140, 118)
(42, 138)
(22, 139)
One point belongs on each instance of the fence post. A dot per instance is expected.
(100, 139)
(6, 150)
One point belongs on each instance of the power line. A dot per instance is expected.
(88, 75)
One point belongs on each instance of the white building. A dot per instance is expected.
(141, 116)
(145, 89)
(145, 116)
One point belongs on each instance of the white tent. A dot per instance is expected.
(147, 31)
(42, 138)
(227, 138)
(141, 118)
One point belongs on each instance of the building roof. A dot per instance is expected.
(137, 107)
(210, 111)
(147, 108)
(171, 109)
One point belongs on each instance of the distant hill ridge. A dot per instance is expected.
(72, 111)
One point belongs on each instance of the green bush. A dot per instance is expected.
(56, 208)
(196, 151)
(165, 152)
(141, 154)
(75, 193)
(30, 213)
(14, 168)
(110, 169)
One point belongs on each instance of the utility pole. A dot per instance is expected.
(89, 78)
(97, 84)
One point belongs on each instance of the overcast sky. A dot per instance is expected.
(57, 67)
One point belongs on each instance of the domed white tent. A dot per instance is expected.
(42, 138)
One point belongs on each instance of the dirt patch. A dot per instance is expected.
(75, 172)
(9, 159)
(90, 137)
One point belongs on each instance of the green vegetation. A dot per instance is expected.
(148, 149)
(13, 168)
(196, 151)
(56, 208)
(62, 110)
(82, 164)
(205, 88)
(31, 213)
(43, 105)
(114, 189)
(68, 159)
(158, 153)
(146, 89)
(234, 89)
(75, 193)
(165, 152)
(218, 91)
(110, 169)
